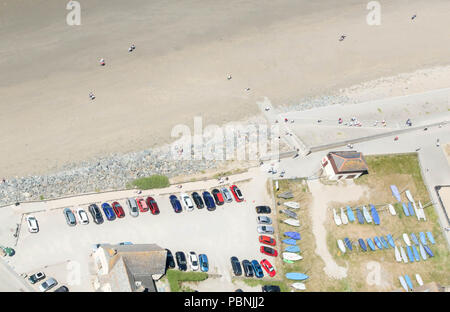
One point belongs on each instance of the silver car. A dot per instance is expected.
(132, 206)
(50, 283)
(226, 194)
(264, 220)
(265, 229)
(70, 217)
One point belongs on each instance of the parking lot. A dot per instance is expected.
(63, 252)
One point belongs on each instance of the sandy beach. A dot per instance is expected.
(286, 50)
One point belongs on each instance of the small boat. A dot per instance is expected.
(409, 196)
(299, 286)
(375, 216)
(392, 210)
(406, 239)
(422, 212)
(289, 213)
(291, 256)
(366, 215)
(423, 253)
(286, 195)
(359, 216)
(290, 241)
(408, 281)
(293, 235)
(423, 239)
(396, 193)
(410, 254)
(384, 242)
(341, 245)
(292, 249)
(371, 244)
(390, 240)
(403, 283)
(416, 212)
(288, 261)
(378, 242)
(419, 279)
(405, 210)
(296, 276)
(403, 253)
(428, 250)
(348, 243)
(398, 257)
(431, 238)
(337, 219)
(362, 244)
(410, 209)
(292, 205)
(292, 222)
(415, 253)
(344, 216)
(414, 239)
(351, 216)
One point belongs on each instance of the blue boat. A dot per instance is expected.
(293, 235)
(423, 239)
(411, 209)
(390, 240)
(351, 216)
(375, 216)
(414, 239)
(362, 244)
(292, 249)
(431, 238)
(377, 242)
(296, 276)
(359, 216)
(410, 254)
(348, 243)
(290, 241)
(416, 253)
(371, 244)
(428, 250)
(384, 242)
(405, 210)
(396, 193)
(408, 281)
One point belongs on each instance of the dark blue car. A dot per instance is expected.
(203, 259)
(175, 204)
(257, 268)
(109, 212)
(209, 201)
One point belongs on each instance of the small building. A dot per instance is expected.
(344, 165)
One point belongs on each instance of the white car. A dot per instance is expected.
(193, 261)
(264, 220)
(33, 226)
(187, 202)
(82, 216)
(50, 283)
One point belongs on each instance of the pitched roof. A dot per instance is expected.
(347, 162)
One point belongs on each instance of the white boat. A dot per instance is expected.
(403, 253)
(367, 215)
(344, 217)
(341, 245)
(299, 286)
(291, 256)
(409, 196)
(291, 204)
(398, 257)
(419, 280)
(406, 239)
(337, 220)
(416, 211)
(392, 210)
(292, 222)
(422, 252)
(403, 283)
(422, 212)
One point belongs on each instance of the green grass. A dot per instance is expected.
(151, 182)
(256, 282)
(379, 110)
(176, 278)
(228, 173)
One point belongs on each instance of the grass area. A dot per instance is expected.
(252, 282)
(229, 172)
(151, 182)
(176, 278)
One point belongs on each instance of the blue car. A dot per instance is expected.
(175, 204)
(109, 212)
(203, 259)
(209, 201)
(257, 268)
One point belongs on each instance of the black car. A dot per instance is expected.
(209, 201)
(181, 260)
(170, 262)
(218, 197)
(96, 214)
(263, 209)
(271, 288)
(176, 205)
(248, 268)
(36, 277)
(198, 200)
(62, 289)
(236, 265)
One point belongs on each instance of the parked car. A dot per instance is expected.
(218, 197)
(108, 211)
(70, 217)
(263, 209)
(264, 220)
(175, 204)
(268, 267)
(226, 194)
(151, 203)
(48, 284)
(268, 251)
(193, 261)
(125, 243)
(236, 265)
(198, 200)
(142, 205)
(170, 262)
(96, 214)
(132, 207)
(271, 288)
(62, 289)
(36, 277)
(236, 193)
(181, 260)
(204, 265)
(248, 268)
(120, 213)
(32, 223)
(265, 229)
(257, 269)
(264, 239)
(209, 201)
(82, 216)
(187, 202)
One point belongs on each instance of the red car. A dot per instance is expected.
(236, 193)
(264, 239)
(151, 202)
(268, 251)
(142, 204)
(118, 210)
(268, 267)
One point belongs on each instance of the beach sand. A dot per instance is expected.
(285, 50)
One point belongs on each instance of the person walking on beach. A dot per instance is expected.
(342, 37)
(131, 48)
(91, 96)
(102, 62)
